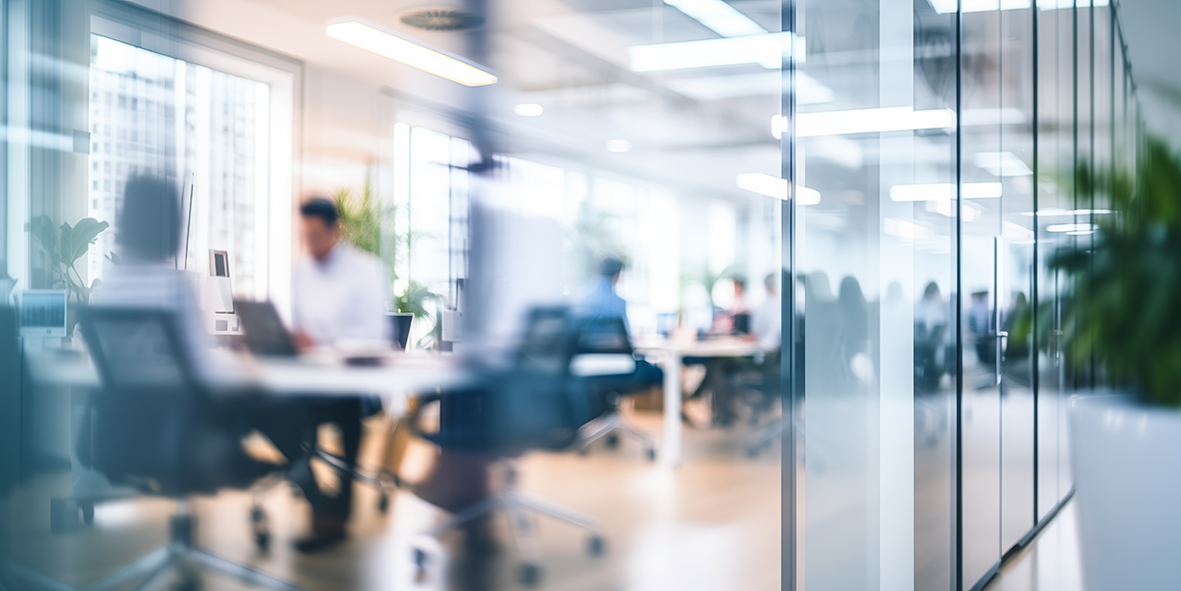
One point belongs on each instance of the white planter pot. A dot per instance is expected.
(1127, 471)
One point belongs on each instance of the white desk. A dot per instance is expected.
(295, 376)
(674, 353)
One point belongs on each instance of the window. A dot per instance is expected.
(209, 137)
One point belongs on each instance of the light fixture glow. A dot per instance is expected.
(1002, 164)
(529, 110)
(1071, 228)
(619, 146)
(933, 191)
(767, 50)
(384, 42)
(1050, 213)
(904, 229)
(949, 6)
(945, 207)
(865, 121)
(719, 16)
(771, 186)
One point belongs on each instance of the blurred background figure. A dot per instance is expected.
(930, 336)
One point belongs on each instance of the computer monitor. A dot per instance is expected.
(43, 313)
(400, 328)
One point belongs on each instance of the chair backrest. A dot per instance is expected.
(535, 404)
(151, 422)
(548, 343)
(136, 348)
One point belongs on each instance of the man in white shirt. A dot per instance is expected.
(339, 297)
(339, 293)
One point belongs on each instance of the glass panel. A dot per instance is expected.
(1015, 274)
(983, 252)
(876, 274)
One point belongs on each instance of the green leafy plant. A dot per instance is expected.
(371, 226)
(1127, 284)
(62, 246)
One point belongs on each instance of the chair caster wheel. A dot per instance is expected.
(612, 441)
(651, 453)
(88, 513)
(262, 540)
(595, 546)
(383, 504)
(529, 575)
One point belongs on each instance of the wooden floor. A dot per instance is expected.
(712, 524)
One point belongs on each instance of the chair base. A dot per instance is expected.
(611, 424)
(520, 508)
(181, 555)
(760, 439)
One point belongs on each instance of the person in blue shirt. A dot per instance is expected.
(601, 301)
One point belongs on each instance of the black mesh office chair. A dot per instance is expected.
(155, 426)
(536, 405)
(604, 355)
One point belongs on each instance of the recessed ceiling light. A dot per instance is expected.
(528, 110)
(619, 146)
(385, 42)
(1073, 229)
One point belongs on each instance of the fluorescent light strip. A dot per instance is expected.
(765, 184)
(1071, 228)
(719, 16)
(932, 191)
(1047, 213)
(767, 50)
(866, 121)
(949, 6)
(386, 43)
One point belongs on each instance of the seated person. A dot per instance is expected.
(147, 279)
(600, 301)
(339, 293)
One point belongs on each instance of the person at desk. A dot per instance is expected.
(147, 278)
(766, 321)
(601, 301)
(339, 295)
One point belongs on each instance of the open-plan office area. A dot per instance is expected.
(565, 294)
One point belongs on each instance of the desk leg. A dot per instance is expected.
(670, 450)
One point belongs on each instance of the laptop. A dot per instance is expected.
(265, 334)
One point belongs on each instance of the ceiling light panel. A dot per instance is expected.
(767, 50)
(932, 191)
(385, 42)
(772, 186)
(719, 16)
(867, 121)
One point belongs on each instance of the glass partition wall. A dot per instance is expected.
(932, 405)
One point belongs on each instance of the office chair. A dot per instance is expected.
(604, 349)
(762, 385)
(155, 426)
(536, 405)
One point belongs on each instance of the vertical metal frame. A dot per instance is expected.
(792, 441)
(957, 569)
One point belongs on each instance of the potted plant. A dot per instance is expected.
(1125, 316)
(61, 247)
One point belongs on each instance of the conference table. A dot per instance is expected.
(672, 353)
